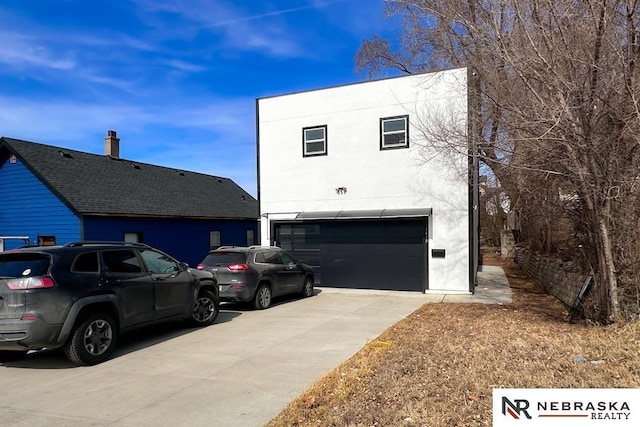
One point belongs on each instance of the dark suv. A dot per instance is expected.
(83, 295)
(257, 274)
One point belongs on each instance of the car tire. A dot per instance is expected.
(12, 356)
(93, 340)
(206, 309)
(307, 287)
(262, 300)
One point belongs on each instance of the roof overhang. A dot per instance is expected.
(365, 214)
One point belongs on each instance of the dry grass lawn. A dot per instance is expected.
(438, 366)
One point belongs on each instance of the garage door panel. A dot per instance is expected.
(373, 232)
(373, 266)
(361, 254)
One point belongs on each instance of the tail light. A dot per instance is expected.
(238, 267)
(23, 283)
(200, 267)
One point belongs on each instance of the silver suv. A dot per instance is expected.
(257, 274)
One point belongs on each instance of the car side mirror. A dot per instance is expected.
(184, 266)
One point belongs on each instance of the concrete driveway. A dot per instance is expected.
(241, 371)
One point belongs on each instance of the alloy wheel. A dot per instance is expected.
(98, 337)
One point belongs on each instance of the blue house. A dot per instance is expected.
(54, 195)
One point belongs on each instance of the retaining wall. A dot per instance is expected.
(560, 279)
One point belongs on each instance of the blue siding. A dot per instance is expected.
(28, 208)
(185, 239)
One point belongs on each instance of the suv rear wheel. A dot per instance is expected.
(93, 341)
(263, 297)
(206, 309)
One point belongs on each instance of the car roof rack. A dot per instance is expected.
(105, 242)
(252, 247)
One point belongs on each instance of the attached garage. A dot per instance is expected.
(383, 249)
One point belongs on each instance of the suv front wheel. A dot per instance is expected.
(307, 288)
(93, 341)
(206, 309)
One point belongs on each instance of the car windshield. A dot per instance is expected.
(225, 258)
(24, 265)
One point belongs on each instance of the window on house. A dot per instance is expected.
(214, 239)
(133, 237)
(250, 238)
(394, 132)
(46, 240)
(314, 141)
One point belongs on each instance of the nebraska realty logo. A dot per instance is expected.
(566, 407)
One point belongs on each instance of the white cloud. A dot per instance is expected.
(23, 52)
(184, 66)
(70, 120)
(263, 32)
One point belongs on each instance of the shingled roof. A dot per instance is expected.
(92, 184)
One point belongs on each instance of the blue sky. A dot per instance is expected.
(177, 79)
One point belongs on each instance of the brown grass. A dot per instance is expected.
(438, 366)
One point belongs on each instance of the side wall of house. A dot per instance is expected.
(185, 239)
(356, 174)
(29, 208)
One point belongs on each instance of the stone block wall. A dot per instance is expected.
(507, 243)
(560, 279)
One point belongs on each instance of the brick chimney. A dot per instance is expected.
(112, 144)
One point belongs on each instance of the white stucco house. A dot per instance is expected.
(354, 181)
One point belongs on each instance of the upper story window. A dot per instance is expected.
(394, 132)
(314, 141)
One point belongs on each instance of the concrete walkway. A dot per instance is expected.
(242, 371)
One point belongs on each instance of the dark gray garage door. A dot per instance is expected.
(363, 254)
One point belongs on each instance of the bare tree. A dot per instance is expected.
(558, 117)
